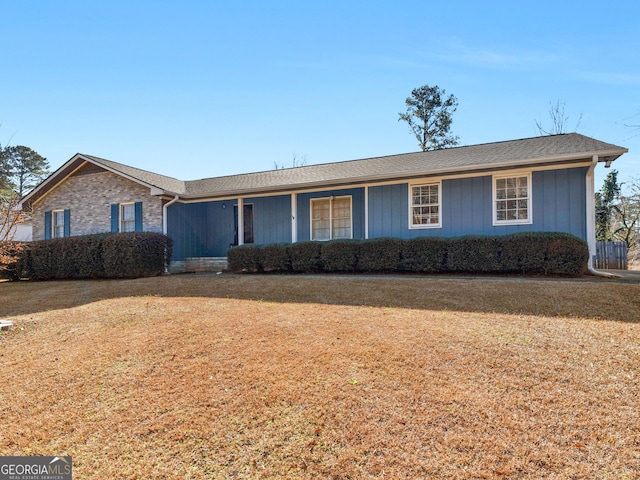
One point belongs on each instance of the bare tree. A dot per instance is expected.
(559, 120)
(10, 219)
(634, 128)
(295, 162)
(627, 217)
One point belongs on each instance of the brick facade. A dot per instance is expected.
(89, 197)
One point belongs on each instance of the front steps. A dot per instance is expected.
(199, 265)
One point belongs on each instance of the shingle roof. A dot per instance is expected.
(473, 158)
(528, 151)
(162, 182)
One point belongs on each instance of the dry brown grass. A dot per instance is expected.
(324, 377)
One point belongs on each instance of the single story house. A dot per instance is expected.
(533, 184)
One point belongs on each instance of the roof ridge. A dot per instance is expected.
(100, 159)
(382, 157)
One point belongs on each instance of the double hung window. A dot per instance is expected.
(127, 217)
(425, 201)
(331, 218)
(57, 224)
(512, 199)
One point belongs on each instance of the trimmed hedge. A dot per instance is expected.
(379, 255)
(339, 255)
(108, 255)
(545, 253)
(424, 254)
(548, 253)
(305, 257)
(276, 258)
(135, 254)
(245, 258)
(474, 253)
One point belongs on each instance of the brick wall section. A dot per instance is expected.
(89, 197)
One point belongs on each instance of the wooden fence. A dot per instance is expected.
(611, 255)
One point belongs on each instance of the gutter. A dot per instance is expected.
(164, 212)
(591, 219)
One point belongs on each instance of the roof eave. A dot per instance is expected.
(603, 156)
(59, 175)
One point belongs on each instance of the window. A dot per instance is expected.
(331, 218)
(57, 224)
(512, 199)
(425, 206)
(127, 217)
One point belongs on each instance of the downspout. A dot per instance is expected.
(165, 228)
(591, 220)
(164, 213)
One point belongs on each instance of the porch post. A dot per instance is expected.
(366, 212)
(294, 217)
(240, 221)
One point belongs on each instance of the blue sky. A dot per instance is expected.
(195, 89)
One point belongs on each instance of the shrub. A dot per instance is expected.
(523, 252)
(305, 257)
(474, 253)
(65, 258)
(276, 258)
(136, 254)
(424, 254)
(549, 253)
(245, 258)
(339, 255)
(566, 255)
(379, 255)
(96, 256)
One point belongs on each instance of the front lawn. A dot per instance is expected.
(324, 377)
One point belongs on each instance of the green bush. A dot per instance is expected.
(245, 258)
(379, 255)
(523, 252)
(305, 257)
(339, 255)
(424, 254)
(474, 253)
(276, 257)
(136, 254)
(106, 255)
(65, 258)
(548, 253)
(566, 255)
(528, 253)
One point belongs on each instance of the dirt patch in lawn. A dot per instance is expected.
(324, 377)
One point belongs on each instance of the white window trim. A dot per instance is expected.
(429, 225)
(494, 213)
(331, 199)
(121, 216)
(53, 223)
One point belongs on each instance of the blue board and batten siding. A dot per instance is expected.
(207, 229)
(558, 204)
(271, 219)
